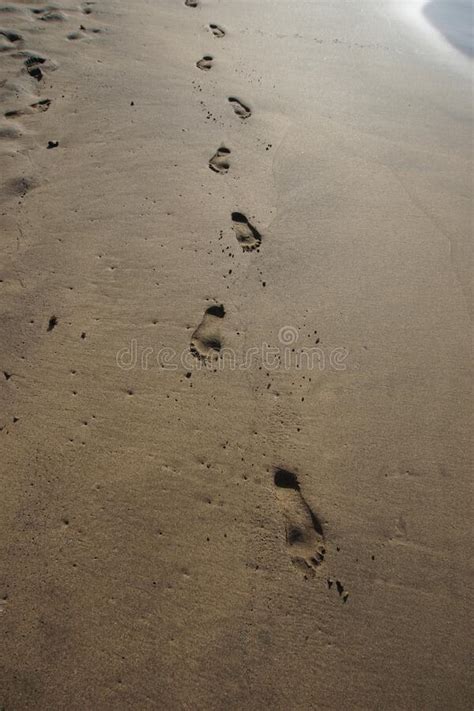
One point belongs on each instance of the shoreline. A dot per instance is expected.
(454, 21)
(446, 37)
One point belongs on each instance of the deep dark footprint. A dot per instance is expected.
(240, 109)
(32, 64)
(219, 162)
(304, 532)
(206, 343)
(15, 113)
(35, 72)
(11, 36)
(205, 63)
(247, 236)
(191, 3)
(216, 30)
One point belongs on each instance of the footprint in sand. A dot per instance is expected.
(191, 3)
(33, 69)
(5, 44)
(343, 594)
(12, 37)
(216, 30)
(247, 236)
(82, 33)
(206, 342)
(20, 186)
(219, 162)
(87, 8)
(32, 63)
(10, 131)
(240, 109)
(42, 105)
(304, 532)
(205, 63)
(49, 14)
(15, 113)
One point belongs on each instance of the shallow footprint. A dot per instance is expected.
(49, 14)
(10, 131)
(5, 44)
(240, 109)
(87, 8)
(42, 105)
(216, 30)
(247, 236)
(219, 162)
(304, 532)
(206, 343)
(83, 33)
(205, 63)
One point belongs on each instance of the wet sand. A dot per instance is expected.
(196, 202)
(454, 19)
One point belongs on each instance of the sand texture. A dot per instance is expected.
(234, 358)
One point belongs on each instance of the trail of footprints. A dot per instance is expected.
(29, 80)
(304, 534)
(24, 71)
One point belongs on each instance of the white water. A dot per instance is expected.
(411, 11)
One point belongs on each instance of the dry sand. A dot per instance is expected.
(177, 533)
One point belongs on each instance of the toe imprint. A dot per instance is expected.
(247, 236)
(219, 162)
(216, 30)
(206, 342)
(240, 109)
(205, 63)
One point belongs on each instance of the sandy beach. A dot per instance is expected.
(235, 357)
